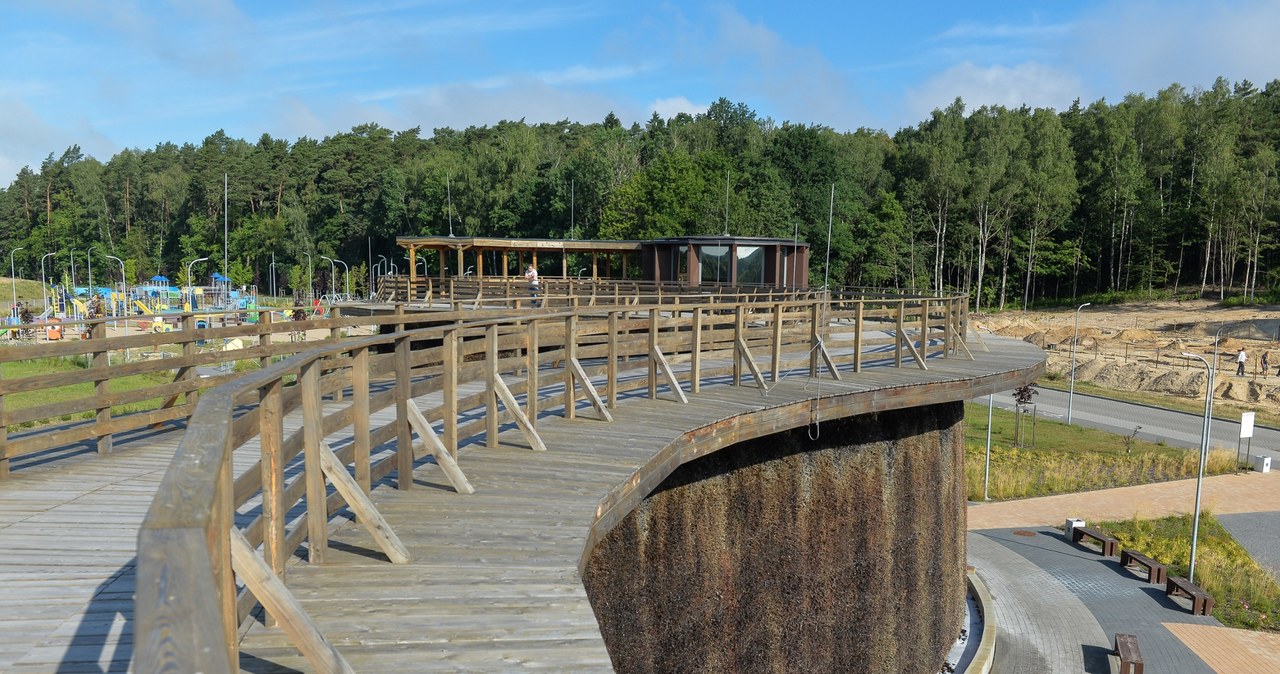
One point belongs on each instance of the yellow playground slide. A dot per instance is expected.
(80, 306)
(142, 307)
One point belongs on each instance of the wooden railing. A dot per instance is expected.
(215, 542)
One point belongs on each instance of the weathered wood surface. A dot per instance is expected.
(504, 586)
(494, 584)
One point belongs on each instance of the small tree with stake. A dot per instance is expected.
(1022, 405)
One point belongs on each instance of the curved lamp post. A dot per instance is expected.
(1075, 337)
(333, 273)
(13, 278)
(346, 278)
(44, 285)
(191, 283)
(1204, 455)
(124, 286)
(310, 285)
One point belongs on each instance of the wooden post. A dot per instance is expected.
(815, 334)
(264, 335)
(222, 521)
(335, 333)
(188, 353)
(531, 381)
(897, 341)
(271, 441)
(449, 390)
(695, 353)
(776, 350)
(404, 435)
(360, 412)
(737, 340)
(570, 353)
(490, 389)
(924, 328)
(312, 436)
(100, 361)
(653, 348)
(858, 324)
(611, 375)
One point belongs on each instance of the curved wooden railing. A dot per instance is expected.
(242, 494)
(188, 353)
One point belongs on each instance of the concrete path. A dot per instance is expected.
(1059, 605)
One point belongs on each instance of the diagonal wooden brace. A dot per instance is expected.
(745, 354)
(366, 513)
(656, 354)
(581, 376)
(521, 419)
(267, 587)
(448, 465)
(826, 358)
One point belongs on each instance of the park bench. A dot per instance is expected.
(1127, 650)
(1201, 601)
(1155, 570)
(1108, 543)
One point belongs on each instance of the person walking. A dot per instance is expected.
(1266, 362)
(1241, 359)
(531, 275)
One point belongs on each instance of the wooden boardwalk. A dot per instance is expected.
(494, 583)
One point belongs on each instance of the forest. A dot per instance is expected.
(1172, 193)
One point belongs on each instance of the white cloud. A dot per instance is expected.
(1033, 84)
(670, 107)
(1146, 46)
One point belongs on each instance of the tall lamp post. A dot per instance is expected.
(44, 285)
(1075, 337)
(191, 285)
(124, 285)
(13, 278)
(1204, 455)
(310, 284)
(333, 273)
(346, 278)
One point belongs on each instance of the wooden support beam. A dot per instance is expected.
(695, 353)
(404, 436)
(531, 381)
(570, 353)
(775, 350)
(366, 512)
(858, 326)
(491, 382)
(432, 444)
(826, 359)
(590, 390)
(522, 421)
(744, 355)
(312, 438)
(659, 362)
(279, 601)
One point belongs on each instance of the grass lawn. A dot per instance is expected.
(1246, 595)
(27, 290)
(63, 393)
(1066, 459)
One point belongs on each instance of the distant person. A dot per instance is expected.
(1241, 359)
(531, 275)
(1266, 362)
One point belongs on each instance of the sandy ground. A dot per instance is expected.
(1138, 346)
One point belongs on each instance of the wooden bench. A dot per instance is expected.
(1156, 571)
(1108, 543)
(1127, 651)
(1201, 601)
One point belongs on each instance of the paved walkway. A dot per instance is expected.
(1059, 604)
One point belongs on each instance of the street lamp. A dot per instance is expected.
(346, 278)
(44, 285)
(1075, 337)
(1204, 456)
(13, 279)
(124, 286)
(191, 286)
(333, 272)
(310, 283)
(273, 273)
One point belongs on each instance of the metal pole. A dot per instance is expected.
(986, 472)
(224, 225)
(44, 283)
(273, 273)
(1075, 337)
(191, 285)
(333, 274)
(124, 287)
(346, 277)
(1204, 455)
(13, 276)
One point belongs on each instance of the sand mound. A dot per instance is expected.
(1136, 335)
(1019, 328)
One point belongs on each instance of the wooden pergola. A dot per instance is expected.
(601, 252)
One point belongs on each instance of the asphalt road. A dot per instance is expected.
(1153, 423)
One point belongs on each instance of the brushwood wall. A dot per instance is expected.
(838, 547)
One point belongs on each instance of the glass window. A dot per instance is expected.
(680, 263)
(714, 261)
(750, 264)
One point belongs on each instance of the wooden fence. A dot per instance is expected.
(215, 544)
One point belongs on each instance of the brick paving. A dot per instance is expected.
(1058, 604)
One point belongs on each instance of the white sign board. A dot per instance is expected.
(1246, 425)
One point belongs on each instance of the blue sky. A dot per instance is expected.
(134, 73)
